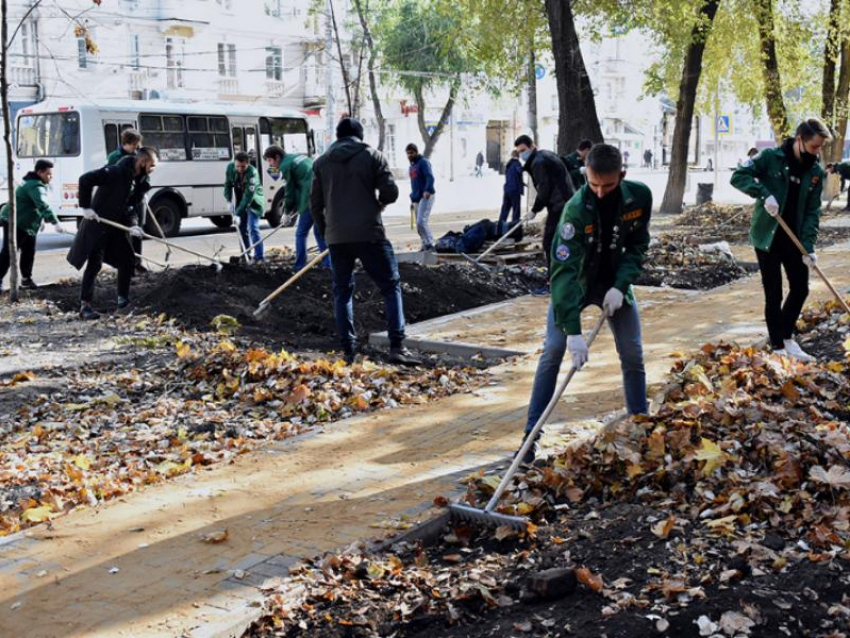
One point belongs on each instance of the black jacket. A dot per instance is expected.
(351, 186)
(553, 185)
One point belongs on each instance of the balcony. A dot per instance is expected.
(228, 86)
(23, 76)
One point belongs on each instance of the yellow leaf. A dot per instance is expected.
(375, 571)
(634, 470)
(37, 514)
(835, 366)
(82, 462)
(711, 453)
(725, 524)
(183, 350)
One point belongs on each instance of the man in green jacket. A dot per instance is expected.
(843, 169)
(297, 173)
(131, 142)
(242, 182)
(786, 181)
(600, 244)
(31, 210)
(575, 163)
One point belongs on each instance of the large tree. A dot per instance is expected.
(776, 110)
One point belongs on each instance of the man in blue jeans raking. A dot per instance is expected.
(352, 184)
(597, 255)
(243, 192)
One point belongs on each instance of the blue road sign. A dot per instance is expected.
(721, 124)
(539, 72)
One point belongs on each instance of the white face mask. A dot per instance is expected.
(525, 155)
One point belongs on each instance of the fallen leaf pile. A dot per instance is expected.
(713, 216)
(110, 428)
(678, 261)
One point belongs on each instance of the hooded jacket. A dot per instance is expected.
(31, 207)
(351, 186)
(421, 179)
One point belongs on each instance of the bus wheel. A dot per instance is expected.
(168, 215)
(222, 221)
(275, 216)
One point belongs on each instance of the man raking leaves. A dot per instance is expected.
(787, 183)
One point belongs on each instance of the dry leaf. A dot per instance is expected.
(589, 579)
(215, 537)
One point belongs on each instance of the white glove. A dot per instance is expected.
(57, 228)
(613, 302)
(583, 170)
(810, 260)
(771, 206)
(136, 231)
(88, 213)
(578, 350)
(232, 209)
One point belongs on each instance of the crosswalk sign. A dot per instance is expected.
(721, 125)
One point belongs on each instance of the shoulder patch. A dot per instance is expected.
(633, 214)
(562, 253)
(816, 179)
(568, 231)
(588, 229)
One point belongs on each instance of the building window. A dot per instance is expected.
(226, 60)
(135, 61)
(174, 63)
(389, 145)
(82, 54)
(274, 63)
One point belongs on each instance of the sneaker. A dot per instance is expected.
(28, 284)
(541, 292)
(403, 356)
(87, 313)
(793, 349)
(123, 302)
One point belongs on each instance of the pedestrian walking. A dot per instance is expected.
(514, 188)
(120, 189)
(647, 158)
(479, 164)
(843, 169)
(575, 163)
(297, 172)
(131, 141)
(244, 194)
(625, 159)
(31, 212)
(421, 195)
(786, 181)
(352, 184)
(553, 186)
(601, 241)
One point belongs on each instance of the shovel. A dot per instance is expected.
(159, 230)
(214, 261)
(259, 241)
(477, 262)
(817, 269)
(488, 516)
(265, 303)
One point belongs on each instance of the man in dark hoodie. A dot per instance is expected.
(352, 184)
(514, 188)
(421, 194)
(131, 141)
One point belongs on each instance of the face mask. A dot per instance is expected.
(807, 159)
(525, 155)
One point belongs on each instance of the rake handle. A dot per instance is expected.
(529, 440)
(159, 229)
(259, 241)
(294, 278)
(109, 222)
(816, 268)
(500, 240)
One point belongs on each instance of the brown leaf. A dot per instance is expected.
(215, 537)
(589, 579)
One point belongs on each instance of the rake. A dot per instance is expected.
(265, 303)
(488, 516)
(159, 230)
(259, 241)
(497, 243)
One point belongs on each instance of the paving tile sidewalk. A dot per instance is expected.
(136, 566)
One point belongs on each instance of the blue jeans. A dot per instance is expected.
(625, 325)
(510, 202)
(302, 231)
(379, 262)
(249, 226)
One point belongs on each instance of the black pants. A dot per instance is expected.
(26, 244)
(511, 203)
(782, 317)
(114, 246)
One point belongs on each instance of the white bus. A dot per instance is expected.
(195, 143)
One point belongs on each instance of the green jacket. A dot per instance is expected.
(252, 198)
(574, 164)
(31, 207)
(843, 169)
(297, 172)
(116, 155)
(767, 174)
(576, 250)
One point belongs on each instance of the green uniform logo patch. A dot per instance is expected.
(562, 253)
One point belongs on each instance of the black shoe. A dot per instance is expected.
(28, 284)
(141, 269)
(123, 302)
(349, 356)
(403, 356)
(530, 455)
(87, 313)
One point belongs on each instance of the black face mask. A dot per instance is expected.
(807, 159)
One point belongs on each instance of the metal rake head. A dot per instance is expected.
(483, 517)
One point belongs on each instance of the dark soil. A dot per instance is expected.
(695, 276)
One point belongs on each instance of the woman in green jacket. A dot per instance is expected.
(786, 181)
(31, 210)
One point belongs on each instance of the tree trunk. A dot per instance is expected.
(370, 65)
(346, 77)
(11, 228)
(674, 194)
(432, 139)
(770, 70)
(830, 58)
(842, 102)
(577, 118)
(532, 96)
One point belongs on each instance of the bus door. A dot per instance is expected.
(112, 130)
(246, 138)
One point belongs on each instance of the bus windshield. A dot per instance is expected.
(290, 133)
(49, 135)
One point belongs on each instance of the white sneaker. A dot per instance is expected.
(779, 352)
(793, 349)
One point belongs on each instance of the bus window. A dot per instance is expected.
(289, 133)
(238, 140)
(165, 133)
(49, 135)
(208, 138)
(110, 134)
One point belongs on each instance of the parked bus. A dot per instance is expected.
(195, 143)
